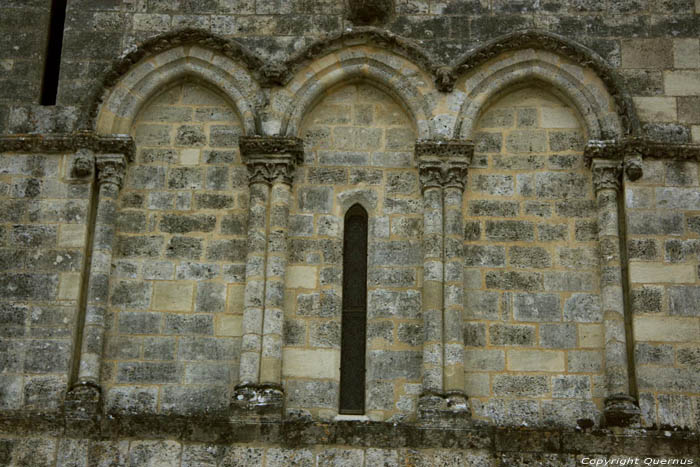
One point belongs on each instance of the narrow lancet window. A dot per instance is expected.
(52, 60)
(354, 319)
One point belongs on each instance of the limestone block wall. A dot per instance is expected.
(43, 234)
(532, 306)
(22, 51)
(359, 149)
(176, 300)
(664, 251)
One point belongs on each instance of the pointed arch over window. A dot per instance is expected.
(354, 319)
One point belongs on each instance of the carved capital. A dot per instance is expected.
(111, 168)
(606, 175)
(271, 169)
(430, 173)
(271, 159)
(443, 163)
(455, 174)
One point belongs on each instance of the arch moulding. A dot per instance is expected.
(223, 69)
(403, 80)
(577, 72)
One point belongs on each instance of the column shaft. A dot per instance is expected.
(453, 291)
(110, 173)
(620, 408)
(433, 282)
(273, 317)
(254, 295)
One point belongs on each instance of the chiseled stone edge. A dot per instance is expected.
(272, 146)
(52, 143)
(360, 36)
(542, 40)
(444, 148)
(161, 43)
(631, 151)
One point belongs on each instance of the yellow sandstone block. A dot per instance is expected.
(175, 296)
(535, 360)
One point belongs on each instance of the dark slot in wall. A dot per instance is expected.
(52, 63)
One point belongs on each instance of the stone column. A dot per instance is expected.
(620, 407)
(454, 183)
(443, 169)
(83, 399)
(271, 162)
(430, 173)
(271, 364)
(254, 295)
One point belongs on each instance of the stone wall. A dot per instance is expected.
(665, 289)
(177, 296)
(533, 319)
(358, 150)
(44, 219)
(171, 234)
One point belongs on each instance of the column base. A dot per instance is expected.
(451, 409)
(257, 402)
(82, 409)
(621, 410)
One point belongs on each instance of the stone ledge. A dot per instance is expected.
(69, 143)
(218, 428)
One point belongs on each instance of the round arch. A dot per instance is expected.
(399, 78)
(122, 102)
(592, 103)
(567, 65)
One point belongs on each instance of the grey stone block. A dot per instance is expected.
(311, 393)
(583, 308)
(493, 208)
(184, 248)
(47, 356)
(386, 364)
(536, 307)
(514, 280)
(558, 336)
(207, 348)
(484, 256)
(647, 299)
(211, 297)
(529, 257)
(131, 400)
(183, 324)
(507, 334)
(520, 385)
(233, 250)
(653, 354)
(149, 372)
(315, 199)
(128, 294)
(138, 322)
(384, 303)
(684, 301)
(183, 400)
(571, 387)
(510, 231)
(135, 246)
